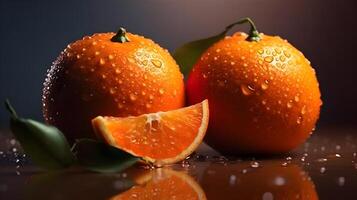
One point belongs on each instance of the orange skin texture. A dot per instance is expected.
(95, 76)
(264, 96)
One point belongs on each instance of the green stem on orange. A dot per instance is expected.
(253, 33)
(120, 36)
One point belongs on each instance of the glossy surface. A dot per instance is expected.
(323, 168)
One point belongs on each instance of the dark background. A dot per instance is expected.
(34, 32)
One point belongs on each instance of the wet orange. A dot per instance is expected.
(110, 74)
(163, 184)
(264, 95)
(160, 138)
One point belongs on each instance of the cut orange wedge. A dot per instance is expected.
(163, 184)
(160, 138)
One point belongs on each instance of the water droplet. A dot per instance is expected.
(254, 164)
(299, 120)
(341, 181)
(278, 51)
(101, 61)
(131, 60)
(260, 51)
(78, 56)
(232, 179)
(288, 158)
(303, 110)
(111, 57)
(156, 63)
(265, 85)
(218, 50)
(322, 170)
(287, 54)
(233, 63)
(104, 76)
(321, 160)
(215, 58)
(151, 97)
(133, 97)
(247, 89)
(269, 59)
(97, 53)
(120, 105)
(84, 49)
(148, 105)
(289, 104)
(244, 171)
(296, 98)
(279, 181)
(268, 196)
(282, 58)
(94, 43)
(112, 91)
(204, 76)
(161, 91)
(284, 164)
(264, 102)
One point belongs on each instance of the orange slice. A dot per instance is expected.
(164, 184)
(160, 138)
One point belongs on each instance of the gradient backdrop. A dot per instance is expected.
(33, 33)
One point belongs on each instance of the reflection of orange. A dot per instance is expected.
(163, 184)
(160, 138)
(97, 76)
(264, 95)
(271, 181)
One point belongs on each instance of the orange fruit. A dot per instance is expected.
(111, 74)
(163, 184)
(264, 95)
(160, 138)
(271, 181)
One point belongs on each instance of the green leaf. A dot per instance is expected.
(100, 157)
(46, 145)
(187, 55)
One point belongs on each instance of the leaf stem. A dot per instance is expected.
(9, 108)
(253, 33)
(120, 36)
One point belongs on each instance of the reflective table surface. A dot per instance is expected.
(325, 167)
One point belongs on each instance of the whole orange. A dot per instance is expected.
(109, 74)
(264, 95)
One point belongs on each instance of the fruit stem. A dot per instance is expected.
(253, 33)
(10, 109)
(120, 36)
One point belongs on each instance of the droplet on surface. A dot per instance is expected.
(299, 120)
(265, 85)
(254, 164)
(341, 181)
(279, 181)
(268, 196)
(322, 170)
(156, 63)
(247, 89)
(232, 179)
(161, 91)
(133, 97)
(110, 57)
(101, 61)
(269, 59)
(289, 104)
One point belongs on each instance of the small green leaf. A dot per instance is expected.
(188, 54)
(100, 157)
(46, 145)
